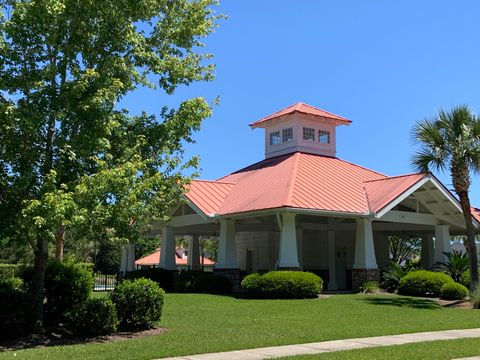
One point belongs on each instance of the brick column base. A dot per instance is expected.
(359, 276)
(234, 275)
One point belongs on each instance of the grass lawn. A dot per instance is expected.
(208, 323)
(433, 350)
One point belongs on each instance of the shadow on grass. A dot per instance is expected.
(400, 301)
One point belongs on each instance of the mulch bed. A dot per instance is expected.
(62, 336)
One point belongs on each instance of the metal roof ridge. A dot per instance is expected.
(215, 181)
(291, 180)
(397, 176)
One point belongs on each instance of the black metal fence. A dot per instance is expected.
(104, 282)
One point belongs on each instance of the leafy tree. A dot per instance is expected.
(70, 156)
(403, 248)
(451, 141)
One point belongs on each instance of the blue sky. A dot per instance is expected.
(382, 64)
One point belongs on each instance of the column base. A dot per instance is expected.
(359, 276)
(234, 275)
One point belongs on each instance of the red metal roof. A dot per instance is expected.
(154, 259)
(382, 192)
(476, 213)
(304, 109)
(208, 195)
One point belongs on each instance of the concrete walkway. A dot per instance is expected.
(336, 345)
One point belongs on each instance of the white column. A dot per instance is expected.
(332, 275)
(288, 242)
(427, 251)
(300, 248)
(127, 262)
(124, 260)
(194, 253)
(227, 251)
(364, 246)
(167, 251)
(442, 242)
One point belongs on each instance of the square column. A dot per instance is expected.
(426, 257)
(365, 267)
(288, 257)
(194, 253)
(167, 251)
(332, 276)
(227, 251)
(364, 246)
(442, 242)
(127, 261)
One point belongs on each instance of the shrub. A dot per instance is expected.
(95, 317)
(212, 284)
(282, 285)
(423, 283)
(15, 308)
(186, 279)
(475, 297)
(67, 285)
(370, 287)
(10, 270)
(139, 304)
(465, 278)
(453, 291)
(457, 263)
(202, 282)
(392, 275)
(164, 278)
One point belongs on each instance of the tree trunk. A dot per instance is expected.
(59, 243)
(470, 242)
(38, 281)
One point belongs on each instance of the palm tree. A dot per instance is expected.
(451, 141)
(456, 264)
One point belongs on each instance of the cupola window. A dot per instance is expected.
(323, 137)
(308, 134)
(287, 135)
(275, 138)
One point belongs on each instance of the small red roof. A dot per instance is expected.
(154, 259)
(476, 213)
(304, 109)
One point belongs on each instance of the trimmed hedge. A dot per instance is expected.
(423, 283)
(95, 317)
(202, 282)
(139, 304)
(453, 291)
(11, 270)
(164, 278)
(16, 313)
(282, 285)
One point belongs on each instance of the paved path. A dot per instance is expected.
(336, 345)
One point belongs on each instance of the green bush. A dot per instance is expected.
(67, 285)
(164, 278)
(392, 275)
(453, 291)
(139, 304)
(202, 282)
(95, 317)
(282, 285)
(423, 283)
(10, 270)
(370, 287)
(16, 313)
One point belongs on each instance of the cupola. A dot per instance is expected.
(300, 127)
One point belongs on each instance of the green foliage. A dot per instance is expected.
(96, 316)
(107, 259)
(10, 270)
(403, 248)
(453, 291)
(392, 275)
(16, 316)
(423, 283)
(455, 266)
(67, 285)
(475, 297)
(139, 304)
(282, 285)
(70, 157)
(370, 287)
(164, 278)
(202, 282)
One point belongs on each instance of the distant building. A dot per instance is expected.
(181, 260)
